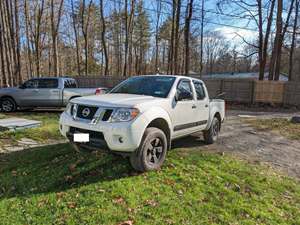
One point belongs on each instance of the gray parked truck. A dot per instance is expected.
(43, 92)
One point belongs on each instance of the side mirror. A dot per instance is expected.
(179, 96)
(22, 86)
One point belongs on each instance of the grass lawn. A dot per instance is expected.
(48, 129)
(55, 185)
(281, 125)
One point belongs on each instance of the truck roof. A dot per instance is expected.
(41, 78)
(166, 75)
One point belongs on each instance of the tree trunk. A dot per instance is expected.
(187, 37)
(76, 38)
(103, 38)
(171, 48)
(266, 42)
(201, 38)
(177, 37)
(281, 38)
(291, 57)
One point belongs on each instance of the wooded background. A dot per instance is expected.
(132, 37)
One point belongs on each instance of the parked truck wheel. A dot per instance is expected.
(152, 151)
(8, 104)
(211, 135)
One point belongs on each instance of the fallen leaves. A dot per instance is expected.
(72, 167)
(71, 205)
(127, 222)
(151, 202)
(118, 200)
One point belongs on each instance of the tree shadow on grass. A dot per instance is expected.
(56, 168)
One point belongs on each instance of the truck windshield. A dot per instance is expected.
(156, 86)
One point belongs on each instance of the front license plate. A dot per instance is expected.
(81, 137)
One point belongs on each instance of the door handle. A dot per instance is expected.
(194, 107)
(206, 106)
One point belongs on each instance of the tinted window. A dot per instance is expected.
(48, 83)
(184, 87)
(199, 90)
(157, 86)
(70, 83)
(31, 84)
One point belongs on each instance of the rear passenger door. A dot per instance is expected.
(202, 104)
(48, 93)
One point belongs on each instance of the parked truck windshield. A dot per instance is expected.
(156, 86)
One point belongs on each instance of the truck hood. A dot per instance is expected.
(117, 100)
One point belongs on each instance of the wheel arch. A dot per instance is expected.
(8, 96)
(163, 125)
(212, 116)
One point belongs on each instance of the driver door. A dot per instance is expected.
(28, 92)
(184, 109)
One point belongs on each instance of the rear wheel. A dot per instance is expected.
(152, 151)
(211, 135)
(8, 105)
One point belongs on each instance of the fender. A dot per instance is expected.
(150, 115)
(213, 111)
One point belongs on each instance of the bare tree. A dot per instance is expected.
(85, 22)
(54, 33)
(103, 38)
(274, 72)
(74, 22)
(291, 57)
(176, 37)
(187, 36)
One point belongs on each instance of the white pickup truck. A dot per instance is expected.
(141, 116)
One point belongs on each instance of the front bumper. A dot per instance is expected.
(117, 137)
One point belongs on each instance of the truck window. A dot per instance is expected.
(184, 86)
(31, 84)
(70, 83)
(48, 83)
(199, 90)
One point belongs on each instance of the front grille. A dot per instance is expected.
(92, 134)
(86, 112)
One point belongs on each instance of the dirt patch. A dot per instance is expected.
(264, 146)
(240, 138)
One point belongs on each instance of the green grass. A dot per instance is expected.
(48, 129)
(281, 125)
(55, 185)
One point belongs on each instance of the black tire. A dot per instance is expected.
(152, 151)
(8, 105)
(211, 135)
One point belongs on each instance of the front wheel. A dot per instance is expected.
(8, 105)
(152, 151)
(211, 135)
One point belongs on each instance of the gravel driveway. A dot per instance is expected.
(242, 139)
(263, 146)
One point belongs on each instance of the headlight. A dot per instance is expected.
(71, 109)
(68, 108)
(124, 114)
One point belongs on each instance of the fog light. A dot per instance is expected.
(120, 139)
